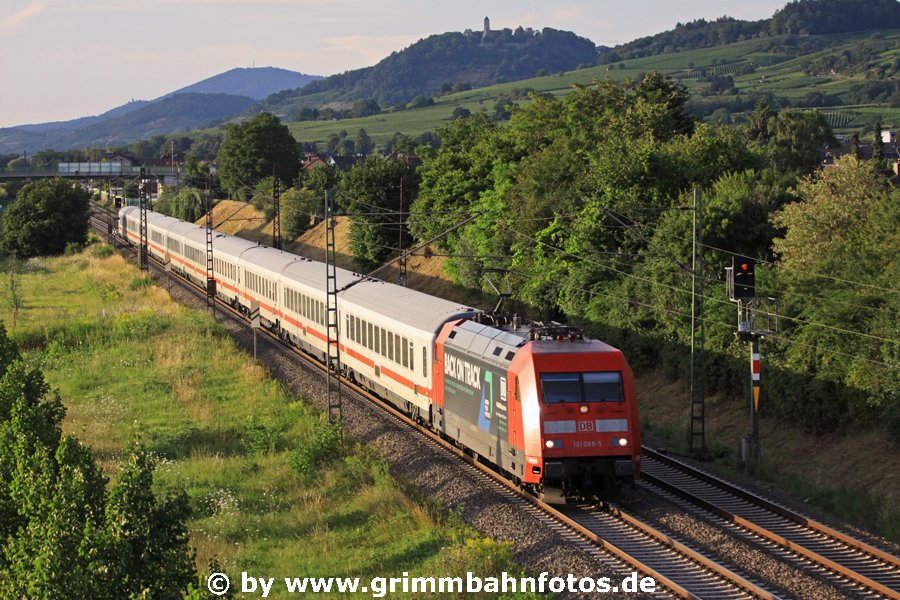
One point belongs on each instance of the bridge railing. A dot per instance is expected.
(85, 171)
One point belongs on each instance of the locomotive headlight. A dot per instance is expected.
(623, 441)
(584, 408)
(554, 443)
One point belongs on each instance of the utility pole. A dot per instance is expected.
(210, 274)
(276, 211)
(333, 364)
(697, 365)
(401, 278)
(172, 162)
(698, 358)
(109, 213)
(143, 199)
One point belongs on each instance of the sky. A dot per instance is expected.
(64, 59)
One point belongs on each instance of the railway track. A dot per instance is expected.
(849, 562)
(697, 575)
(627, 542)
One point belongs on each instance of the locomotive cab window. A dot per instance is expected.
(603, 387)
(560, 388)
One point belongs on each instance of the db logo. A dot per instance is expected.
(585, 425)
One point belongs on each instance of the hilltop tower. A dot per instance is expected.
(487, 29)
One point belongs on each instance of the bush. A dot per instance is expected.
(45, 218)
(317, 450)
(260, 439)
(102, 250)
(140, 283)
(73, 248)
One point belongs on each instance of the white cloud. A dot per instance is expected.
(10, 23)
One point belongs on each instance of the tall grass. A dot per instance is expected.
(271, 490)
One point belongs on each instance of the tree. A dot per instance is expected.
(460, 112)
(61, 534)
(18, 164)
(323, 178)
(761, 122)
(298, 208)
(797, 139)
(261, 147)
(363, 144)
(14, 289)
(877, 143)
(45, 217)
(370, 187)
(839, 246)
(187, 203)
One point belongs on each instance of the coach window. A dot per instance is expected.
(383, 341)
(424, 361)
(371, 344)
(390, 346)
(377, 340)
(405, 349)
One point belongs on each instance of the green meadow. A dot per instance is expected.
(273, 492)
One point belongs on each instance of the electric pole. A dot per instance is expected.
(143, 199)
(276, 212)
(401, 278)
(210, 274)
(333, 364)
(698, 366)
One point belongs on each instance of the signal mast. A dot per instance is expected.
(755, 322)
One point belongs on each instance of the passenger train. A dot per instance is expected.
(555, 412)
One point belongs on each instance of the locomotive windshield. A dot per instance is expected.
(560, 388)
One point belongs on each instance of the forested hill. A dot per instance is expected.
(180, 112)
(805, 17)
(256, 83)
(422, 68)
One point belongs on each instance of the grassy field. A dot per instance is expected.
(774, 72)
(271, 491)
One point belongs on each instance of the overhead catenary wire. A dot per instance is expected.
(717, 300)
(765, 261)
(783, 292)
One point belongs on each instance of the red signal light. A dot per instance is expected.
(744, 267)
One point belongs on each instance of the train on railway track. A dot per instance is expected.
(554, 411)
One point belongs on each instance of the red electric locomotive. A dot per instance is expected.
(553, 410)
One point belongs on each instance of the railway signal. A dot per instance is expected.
(742, 290)
(744, 270)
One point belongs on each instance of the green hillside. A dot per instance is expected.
(780, 66)
(470, 58)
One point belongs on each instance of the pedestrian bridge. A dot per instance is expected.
(91, 170)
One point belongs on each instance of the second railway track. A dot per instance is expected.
(849, 561)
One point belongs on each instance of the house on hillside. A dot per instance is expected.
(127, 159)
(344, 163)
(829, 154)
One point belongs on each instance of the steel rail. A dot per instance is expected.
(765, 532)
(473, 461)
